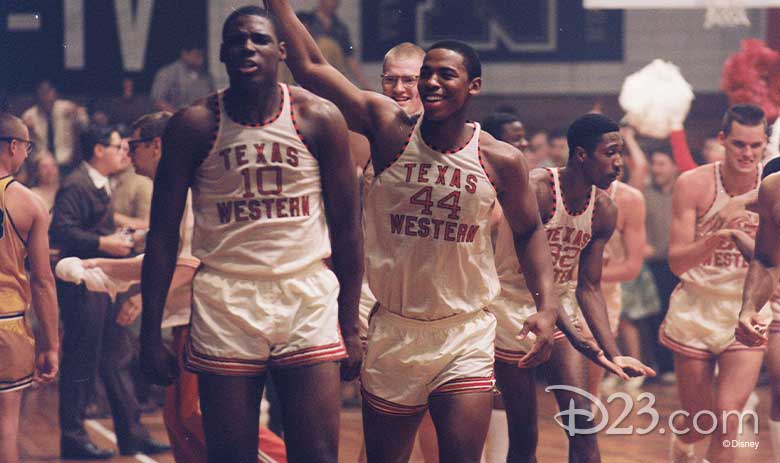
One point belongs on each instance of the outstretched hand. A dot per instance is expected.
(590, 349)
(633, 367)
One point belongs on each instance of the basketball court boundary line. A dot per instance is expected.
(108, 434)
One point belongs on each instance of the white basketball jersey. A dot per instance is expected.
(257, 199)
(567, 235)
(428, 248)
(724, 271)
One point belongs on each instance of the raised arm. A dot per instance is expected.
(632, 210)
(636, 159)
(342, 209)
(185, 141)
(44, 294)
(310, 69)
(764, 269)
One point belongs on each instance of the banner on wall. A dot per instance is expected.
(501, 30)
(89, 45)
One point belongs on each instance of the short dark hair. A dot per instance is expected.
(249, 10)
(152, 125)
(770, 167)
(660, 149)
(494, 123)
(470, 57)
(587, 131)
(96, 134)
(745, 114)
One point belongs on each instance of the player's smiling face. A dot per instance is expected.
(399, 82)
(744, 145)
(250, 49)
(444, 85)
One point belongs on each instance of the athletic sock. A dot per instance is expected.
(774, 435)
(497, 442)
(680, 451)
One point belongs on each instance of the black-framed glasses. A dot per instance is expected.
(30, 144)
(133, 144)
(407, 81)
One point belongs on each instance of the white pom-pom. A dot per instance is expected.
(656, 99)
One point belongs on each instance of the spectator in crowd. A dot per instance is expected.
(132, 196)
(83, 226)
(559, 148)
(663, 173)
(539, 149)
(333, 38)
(55, 124)
(182, 82)
(507, 127)
(46, 178)
(129, 106)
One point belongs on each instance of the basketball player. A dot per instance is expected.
(760, 282)
(400, 73)
(430, 262)
(623, 257)
(579, 220)
(24, 228)
(267, 164)
(709, 255)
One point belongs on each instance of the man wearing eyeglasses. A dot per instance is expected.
(94, 343)
(24, 222)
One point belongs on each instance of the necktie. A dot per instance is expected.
(50, 133)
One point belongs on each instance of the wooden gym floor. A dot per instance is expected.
(39, 434)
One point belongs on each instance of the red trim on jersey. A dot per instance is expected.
(451, 151)
(401, 151)
(482, 163)
(554, 196)
(295, 122)
(723, 184)
(257, 124)
(563, 199)
(386, 407)
(213, 103)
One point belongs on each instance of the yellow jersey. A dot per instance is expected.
(14, 284)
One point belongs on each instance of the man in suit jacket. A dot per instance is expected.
(83, 226)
